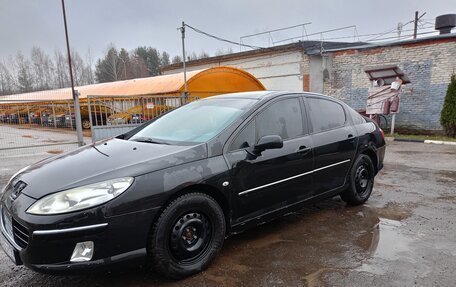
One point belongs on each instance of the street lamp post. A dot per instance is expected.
(77, 111)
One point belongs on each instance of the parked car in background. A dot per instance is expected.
(138, 114)
(98, 118)
(171, 190)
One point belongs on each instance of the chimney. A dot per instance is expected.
(444, 23)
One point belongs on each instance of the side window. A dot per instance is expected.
(356, 117)
(246, 138)
(325, 114)
(283, 118)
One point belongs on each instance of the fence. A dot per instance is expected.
(43, 124)
(113, 115)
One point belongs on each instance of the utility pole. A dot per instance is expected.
(415, 29)
(182, 29)
(77, 111)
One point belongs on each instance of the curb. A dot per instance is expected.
(440, 142)
(409, 140)
(420, 141)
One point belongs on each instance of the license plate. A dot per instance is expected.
(7, 248)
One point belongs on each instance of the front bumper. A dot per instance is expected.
(50, 240)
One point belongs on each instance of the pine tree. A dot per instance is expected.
(448, 115)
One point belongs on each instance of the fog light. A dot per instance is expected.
(83, 252)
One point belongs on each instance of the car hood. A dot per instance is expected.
(103, 160)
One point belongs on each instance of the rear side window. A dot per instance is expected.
(283, 118)
(325, 114)
(356, 117)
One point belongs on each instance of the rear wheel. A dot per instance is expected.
(361, 181)
(187, 236)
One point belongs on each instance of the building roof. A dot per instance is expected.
(308, 47)
(200, 83)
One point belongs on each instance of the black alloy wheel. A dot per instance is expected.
(361, 181)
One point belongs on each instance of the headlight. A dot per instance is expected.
(80, 197)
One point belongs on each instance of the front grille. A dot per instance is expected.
(21, 234)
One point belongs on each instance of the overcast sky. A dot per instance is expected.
(96, 23)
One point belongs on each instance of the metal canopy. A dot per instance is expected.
(201, 83)
(387, 73)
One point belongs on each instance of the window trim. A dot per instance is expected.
(312, 132)
(244, 126)
(259, 110)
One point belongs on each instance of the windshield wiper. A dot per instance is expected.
(148, 140)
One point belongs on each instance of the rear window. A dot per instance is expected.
(325, 114)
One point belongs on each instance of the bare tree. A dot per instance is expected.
(6, 79)
(192, 56)
(109, 68)
(43, 69)
(165, 59)
(25, 79)
(61, 78)
(176, 59)
(203, 55)
(89, 76)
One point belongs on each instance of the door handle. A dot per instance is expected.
(351, 138)
(303, 150)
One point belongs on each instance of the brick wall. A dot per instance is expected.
(428, 65)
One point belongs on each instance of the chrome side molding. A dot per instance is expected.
(293, 177)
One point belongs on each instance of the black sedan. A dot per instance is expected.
(169, 192)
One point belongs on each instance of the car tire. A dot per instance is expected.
(361, 181)
(187, 236)
(85, 124)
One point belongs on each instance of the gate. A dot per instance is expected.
(114, 115)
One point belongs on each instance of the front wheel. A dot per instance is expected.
(361, 181)
(187, 236)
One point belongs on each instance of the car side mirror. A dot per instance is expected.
(267, 142)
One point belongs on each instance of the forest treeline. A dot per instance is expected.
(40, 70)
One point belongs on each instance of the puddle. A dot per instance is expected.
(389, 244)
(395, 211)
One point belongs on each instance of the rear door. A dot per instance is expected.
(334, 142)
(278, 177)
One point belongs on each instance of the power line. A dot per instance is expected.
(221, 39)
(374, 34)
(317, 33)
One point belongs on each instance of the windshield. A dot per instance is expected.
(195, 122)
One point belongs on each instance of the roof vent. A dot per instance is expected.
(444, 23)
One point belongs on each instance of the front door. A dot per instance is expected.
(278, 177)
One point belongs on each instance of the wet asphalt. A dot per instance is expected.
(404, 236)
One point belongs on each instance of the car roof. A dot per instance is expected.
(266, 95)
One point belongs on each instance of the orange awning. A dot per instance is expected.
(200, 83)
